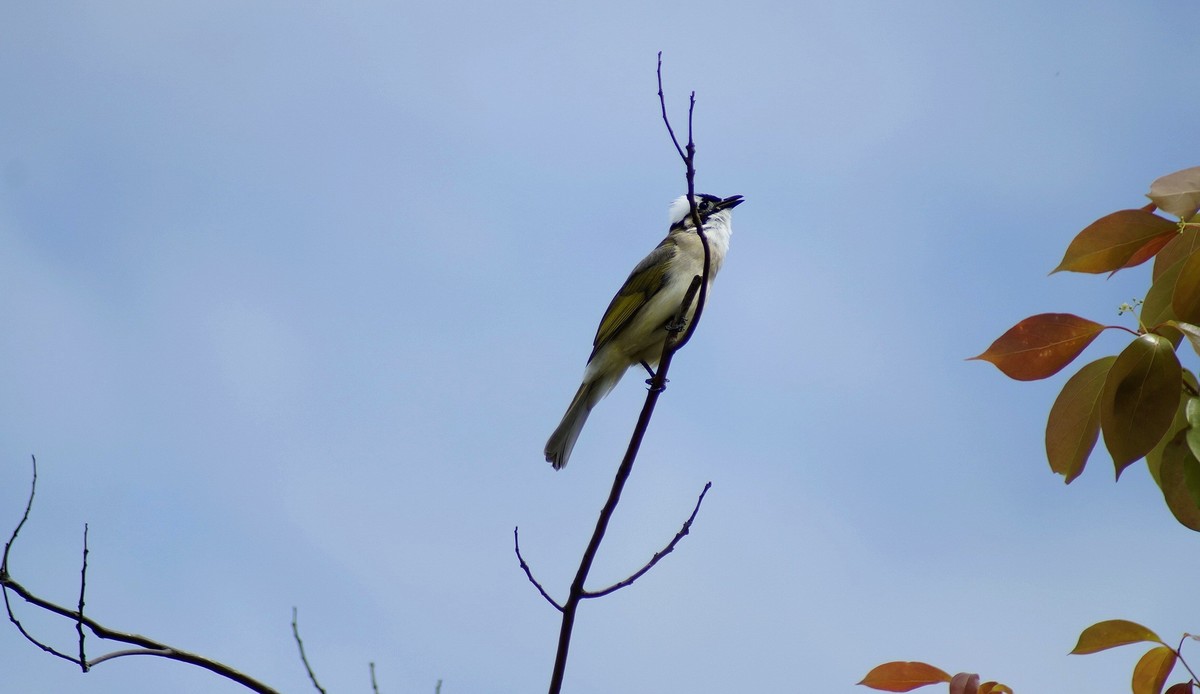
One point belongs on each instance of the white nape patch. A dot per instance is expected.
(679, 209)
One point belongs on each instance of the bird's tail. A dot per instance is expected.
(558, 448)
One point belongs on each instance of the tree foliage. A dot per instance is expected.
(1142, 400)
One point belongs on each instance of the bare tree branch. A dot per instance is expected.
(687, 526)
(82, 589)
(304, 659)
(698, 292)
(145, 646)
(529, 573)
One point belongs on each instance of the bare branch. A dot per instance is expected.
(529, 573)
(303, 658)
(82, 589)
(146, 646)
(374, 684)
(687, 526)
(657, 385)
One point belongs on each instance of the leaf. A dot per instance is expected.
(903, 676)
(1074, 422)
(1177, 193)
(1180, 688)
(1156, 307)
(1140, 397)
(1040, 346)
(1185, 299)
(964, 683)
(1151, 672)
(1109, 243)
(1178, 248)
(1110, 634)
(994, 688)
(1173, 475)
(1191, 332)
(1178, 422)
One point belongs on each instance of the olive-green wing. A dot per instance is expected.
(644, 282)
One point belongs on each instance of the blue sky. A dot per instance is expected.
(293, 294)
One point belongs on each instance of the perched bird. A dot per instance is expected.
(633, 329)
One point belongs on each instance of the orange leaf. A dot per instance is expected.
(964, 683)
(903, 676)
(1074, 422)
(994, 688)
(1110, 634)
(1177, 193)
(1040, 346)
(1151, 672)
(1140, 397)
(1109, 243)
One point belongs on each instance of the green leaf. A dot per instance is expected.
(1151, 672)
(901, 676)
(1109, 243)
(1178, 423)
(1191, 332)
(1139, 400)
(1156, 307)
(1179, 248)
(1185, 300)
(1110, 634)
(1040, 346)
(1177, 193)
(1177, 459)
(1074, 422)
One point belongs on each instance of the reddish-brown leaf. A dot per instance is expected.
(1178, 193)
(1041, 345)
(1140, 397)
(1180, 688)
(1185, 300)
(1151, 672)
(1177, 457)
(1148, 251)
(1181, 246)
(1110, 634)
(1109, 243)
(903, 676)
(1074, 422)
(964, 683)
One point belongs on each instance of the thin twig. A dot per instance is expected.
(687, 526)
(529, 572)
(147, 646)
(374, 684)
(303, 658)
(82, 589)
(657, 385)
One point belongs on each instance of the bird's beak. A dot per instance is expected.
(730, 202)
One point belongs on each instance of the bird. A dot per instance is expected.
(633, 328)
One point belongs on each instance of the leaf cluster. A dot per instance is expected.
(1150, 674)
(1153, 668)
(1142, 400)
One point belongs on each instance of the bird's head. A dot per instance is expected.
(710, 207)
